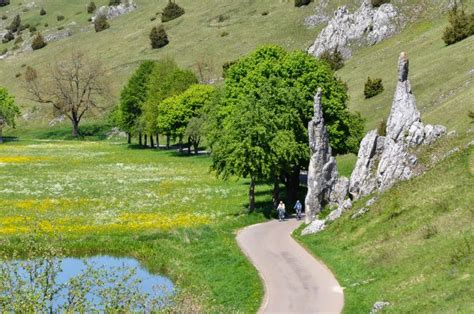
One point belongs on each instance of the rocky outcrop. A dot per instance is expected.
(384, 160)
(113, 11)
(366, 26)
(324, 184)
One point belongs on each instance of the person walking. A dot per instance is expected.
(298, 207)
(281, 211)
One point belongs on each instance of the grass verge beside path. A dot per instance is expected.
(165, 209)
(413, 248)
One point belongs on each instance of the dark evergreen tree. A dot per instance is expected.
(15, 24)
(101, 23)
(158, 37)
(373, 87)
(38, 42)
(91, 7)
(171, 11)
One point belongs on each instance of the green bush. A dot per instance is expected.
(15, 24)
(334, 59)
(114, 2)
(300, 3)
(377, 3)
(461, 26)
(4, 51)
(4, 2)
(43, 11)
(158, 37)
(60, 18)
(4, 17)
(171, 11)
(32, 29)
(373, 87)
(101, 23)
(38, 42)
(91, 7)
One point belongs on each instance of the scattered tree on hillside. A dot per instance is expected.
(461, 26)
(74, 87)
(333, 58)
(101, 23)
(42, 11)
(38, 42)
(167, 80)
(373, 87)
(8, 111)
(15, 24)
(171, 11)
(260, 129)
(132, 97)
(300, 3)
(91, 7)
(158, 37)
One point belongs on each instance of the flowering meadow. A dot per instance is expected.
(164, 208)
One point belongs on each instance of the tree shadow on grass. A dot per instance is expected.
(10, 139)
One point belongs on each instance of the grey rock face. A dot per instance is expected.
(323, 179)
(378, 306)
(366, 26)
(111, 12)
(314, 227)
(382, 161)
(360, 213)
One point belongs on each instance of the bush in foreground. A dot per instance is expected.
(171, 11)
(158, 37)
(373, 87)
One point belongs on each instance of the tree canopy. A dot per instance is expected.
(261, 126)
(8, 110)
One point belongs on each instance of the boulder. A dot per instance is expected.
(378, 306)
(314, 227)
(113, 11)
(366, 26)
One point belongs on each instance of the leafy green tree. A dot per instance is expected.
(260, 129)
(8, 111)
(132, 97)
(167, 80)
(174, 113)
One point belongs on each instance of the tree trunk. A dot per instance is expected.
(1, 135)
(157, 141)
(168, 141)
(75, 128)
(252, 195)
(196, 147)
(276, 192)
(189, 145)
(129, 138)
(292, 185)
(146, 140)
(140, 139)
(180, 142)
(152, 144)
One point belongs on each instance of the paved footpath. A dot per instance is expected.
(295, 282)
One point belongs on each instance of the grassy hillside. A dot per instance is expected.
(413, 248)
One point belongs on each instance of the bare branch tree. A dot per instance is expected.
(73, 87)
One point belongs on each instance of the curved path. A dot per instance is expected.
(295, 282)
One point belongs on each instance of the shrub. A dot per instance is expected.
(8, 37)
(300, 3)
(32, 29)
(4, 2)
(334, 59)
(377, 3)
(46, 24)
(114, 2)
(101, 23)
(171, 11)
(4, 51)
(461, 26)
(15, 24)
(43, 11)
(18, 40)
(158, 37)
(373, 87)
(224, 34)
(60, 18)
(38, 42)
(4, 17)
(91, 7)
(265, 13)
(60, 28)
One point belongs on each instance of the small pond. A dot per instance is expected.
(83, 284)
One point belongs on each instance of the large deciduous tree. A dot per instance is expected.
(8, 111)
(167, 80)
(261, 126)
(74, 87)
(132, 98)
